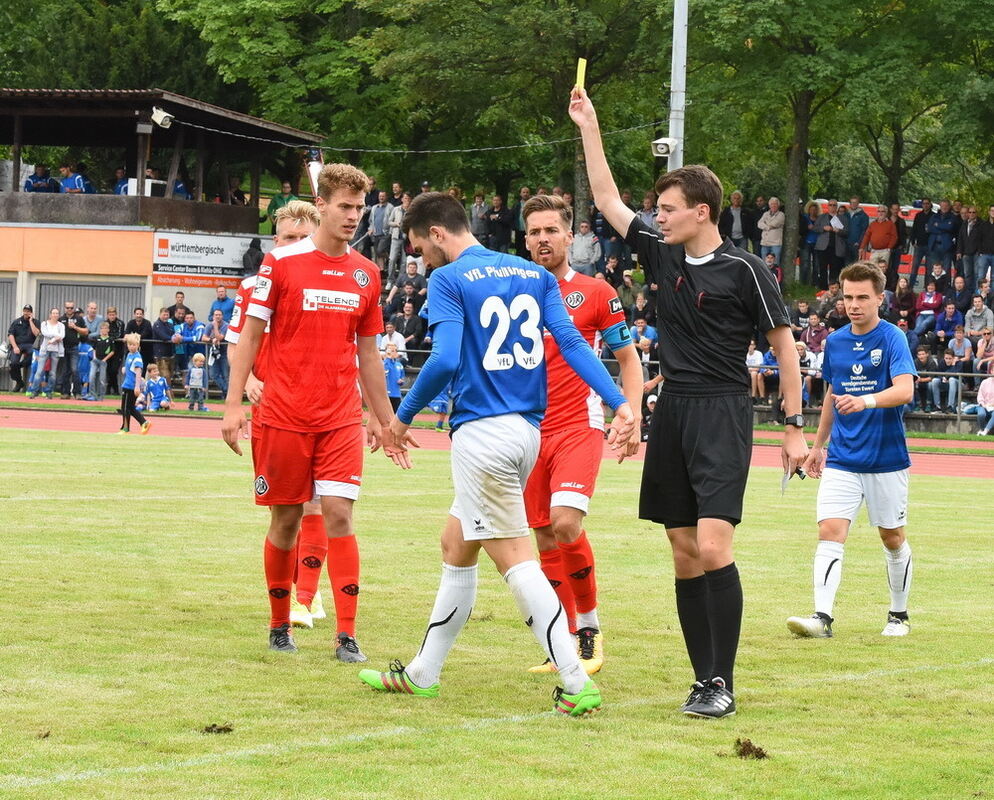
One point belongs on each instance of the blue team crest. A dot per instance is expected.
(876, 356)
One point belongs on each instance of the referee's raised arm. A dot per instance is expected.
(606, 196)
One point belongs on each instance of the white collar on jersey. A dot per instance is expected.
(569, 274)
(699, 259)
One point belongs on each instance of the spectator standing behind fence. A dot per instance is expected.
(771, 225)
(500, 225)
(51, 351)
(856, 228)
(278, 201)
(379, 229)
(74, 328)
(985, 247)
(478, 223)
(41, 181)
(393, 370)
(967, 247)
(222, 303)
(941, 229)
(585, 250)
(880, 238)
(117, 336)
(21, 337)
(919, 241)
(143, 328)
(397, 238)
(92, 320)
(217, 351)
(830, 247)
(103, 352)
(163, 348)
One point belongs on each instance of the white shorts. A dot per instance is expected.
(491, 461)
(841, 493)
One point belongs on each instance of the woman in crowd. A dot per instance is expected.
(52, 349)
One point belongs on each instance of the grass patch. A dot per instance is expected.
(134, 656)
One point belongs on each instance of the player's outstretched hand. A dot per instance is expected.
(374, 434)
(234, 426)
(253, 389)
(395, 438)
(622, 431)
(581, 110)
(815, 462)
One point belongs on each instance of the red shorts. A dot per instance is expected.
(565, 473)
(292, 467)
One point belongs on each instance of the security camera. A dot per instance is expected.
(664, 147)
(161, 118)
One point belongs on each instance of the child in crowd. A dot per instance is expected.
(103, 352)
(393, 371)
(196, 383)
(754, 360)
(83, 369)
(158, 394)
(648, 411)
(131, 385)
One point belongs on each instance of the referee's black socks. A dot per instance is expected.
(724, 614)
(692, 609)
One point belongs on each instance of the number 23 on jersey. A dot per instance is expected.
(528, 350)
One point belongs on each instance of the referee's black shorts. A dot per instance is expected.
(697, 456)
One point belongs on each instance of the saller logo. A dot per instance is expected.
(261, 486)
(265, 269)
(361, 278)
(330, 300)
(574, 299)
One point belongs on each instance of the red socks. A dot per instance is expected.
(279, 566)
(312, 549)
(343, 569)
(578, 564)
(552, 566)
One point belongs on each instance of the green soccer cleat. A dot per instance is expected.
(317, 607)
(585, 701)
(396, 680)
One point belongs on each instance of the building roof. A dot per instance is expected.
(107, 118)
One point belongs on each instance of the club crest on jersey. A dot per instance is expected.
(876, 356)
(361, 278)
(857, 369)
(262, 287)
(261, 486)
(614, 305)
(574, 299)
(330, 300)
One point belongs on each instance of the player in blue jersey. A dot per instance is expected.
(487, 317)
(869, 378)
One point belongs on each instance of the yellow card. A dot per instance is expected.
(581, 72)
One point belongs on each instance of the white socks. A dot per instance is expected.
(453, 604)
(827, 575)
(587, 619)
(544, 614)
(899, 576)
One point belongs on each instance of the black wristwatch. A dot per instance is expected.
(797, 420)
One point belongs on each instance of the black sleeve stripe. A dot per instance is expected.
(759, 289)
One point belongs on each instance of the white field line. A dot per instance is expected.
(288, 748)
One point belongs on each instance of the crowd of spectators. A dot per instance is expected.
(79, 355)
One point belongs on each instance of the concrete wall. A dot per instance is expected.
(123, 210)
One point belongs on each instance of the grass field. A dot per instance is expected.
(135, 615)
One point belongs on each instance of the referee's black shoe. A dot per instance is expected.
(715, 701)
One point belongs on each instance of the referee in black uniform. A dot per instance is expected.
(711, 297)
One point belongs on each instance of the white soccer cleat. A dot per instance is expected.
(896, 626)
(814, 627)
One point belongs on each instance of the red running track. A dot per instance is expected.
(955, 466)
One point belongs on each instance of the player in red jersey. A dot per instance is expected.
(561, 484)
(297, 220)
(321, 302)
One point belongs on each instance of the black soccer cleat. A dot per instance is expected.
(348, 650)
(715, 701)
(281, 640)
(696, 689)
